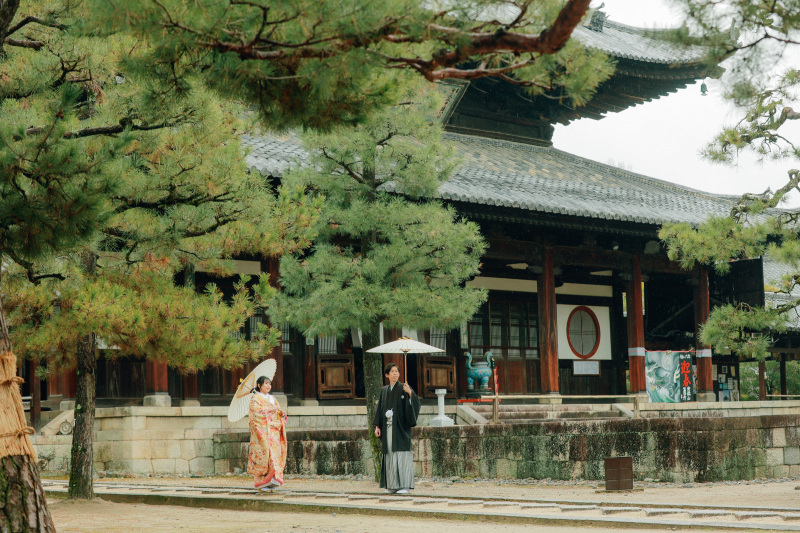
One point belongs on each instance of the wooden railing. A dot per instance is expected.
(496, 400)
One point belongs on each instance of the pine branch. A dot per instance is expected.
(353, 174)
(38, 20)
(24, 43)
(442, 65)
(103, 130)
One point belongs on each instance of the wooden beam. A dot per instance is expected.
(567, 255)
(510, 250)
(784, 350)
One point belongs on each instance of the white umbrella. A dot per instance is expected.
(405, 345)
(240, 404)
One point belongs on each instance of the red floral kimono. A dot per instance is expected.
(267, 456)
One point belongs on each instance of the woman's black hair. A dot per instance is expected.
(260, 381)
(388, 368)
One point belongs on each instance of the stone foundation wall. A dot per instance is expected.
(329, 452)
(180, 440)
(678, 449)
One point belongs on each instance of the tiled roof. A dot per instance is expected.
(615, 39)
(271, 155)
(623, 41)
(537, 179)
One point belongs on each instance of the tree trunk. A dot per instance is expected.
(22, 502)
(23, 506)
(82, 457)
(373, 381)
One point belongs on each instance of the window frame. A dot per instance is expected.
(593, 316)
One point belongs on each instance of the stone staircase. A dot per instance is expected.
(536, 413)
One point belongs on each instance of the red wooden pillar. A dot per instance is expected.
(762, 381)
(277, 352)
(70, 387)
(191, 395)
(548, 324)
(55, 386)
(702, 310)
(635, 329)
(157, 384)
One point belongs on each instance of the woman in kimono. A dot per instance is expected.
(267, 455)
(398, 409)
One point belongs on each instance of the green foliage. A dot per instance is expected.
(93, 161)
(140, 312)
(732, 327)
(755, 37)
(381, 258)
(319, 63)
(748, 381)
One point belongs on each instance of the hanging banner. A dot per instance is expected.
(686, 377)
(669, 376)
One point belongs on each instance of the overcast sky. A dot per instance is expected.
(662, 138)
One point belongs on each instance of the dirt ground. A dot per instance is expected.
(781, 494)
(98, 516)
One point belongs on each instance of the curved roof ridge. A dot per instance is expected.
(589, 163)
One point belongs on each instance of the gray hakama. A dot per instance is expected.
(397, 467)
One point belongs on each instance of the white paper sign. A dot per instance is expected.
(585, 368)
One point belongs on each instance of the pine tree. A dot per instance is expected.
(94, 95)
(107, 192)
(397, 259)
(753, 37)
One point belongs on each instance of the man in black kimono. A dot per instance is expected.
(398, 409)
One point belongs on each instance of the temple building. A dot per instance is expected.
(580, 287)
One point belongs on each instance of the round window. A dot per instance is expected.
(583, 332)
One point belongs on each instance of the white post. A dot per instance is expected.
(441, 420)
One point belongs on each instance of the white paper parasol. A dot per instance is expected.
(241, 400)
(405, 345)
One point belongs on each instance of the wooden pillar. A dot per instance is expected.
(35, 386)
(157, 384)
(191, 394)
(70, 384)
(55, 386)
(277, 352)
(762, 385)
(310, 373)
(783, 377)
(635, 328)
(548, 324)
(702, 310)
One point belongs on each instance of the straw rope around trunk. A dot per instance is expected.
(14, 430)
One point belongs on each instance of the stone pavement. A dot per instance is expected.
(766, 506)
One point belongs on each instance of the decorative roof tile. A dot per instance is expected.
(532, 178)
(623, 41)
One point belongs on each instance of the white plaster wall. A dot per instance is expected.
(603, 319)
